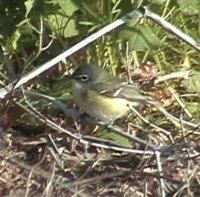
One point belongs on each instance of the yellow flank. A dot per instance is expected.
(102, 107)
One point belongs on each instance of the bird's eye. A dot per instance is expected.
(84, 77)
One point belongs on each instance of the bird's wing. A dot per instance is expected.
(132, 93)
(107, 87)
(121, 90)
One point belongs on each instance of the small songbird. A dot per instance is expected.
(104, 96)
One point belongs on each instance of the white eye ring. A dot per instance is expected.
(84, 77)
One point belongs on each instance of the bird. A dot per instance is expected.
(103, 96)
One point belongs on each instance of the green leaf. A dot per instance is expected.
(190, 7)
(37, 8)
(140, 38)
(29, 5)
(193, 82)
(12, 42)
(67, 7)
(194, 109)
(110, 135)
(159, 2)
(64, 23)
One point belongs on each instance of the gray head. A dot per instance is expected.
(88, 73)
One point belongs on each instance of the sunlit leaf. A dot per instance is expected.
(189, 7)
(11, 44)
(29, 5)
(140, 38)
(193, 82)
(109, 135)
(67, 7)
(64, 23)
(193, 108)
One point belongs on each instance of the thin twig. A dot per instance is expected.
(175, 120)
(98, 142)
(64, 107)
(159, 129)
(72, 113)
(136, 14)
(171, 76)
(50, 184)
(58, 180)
(176, 97)
(171, 28)
(159, 165)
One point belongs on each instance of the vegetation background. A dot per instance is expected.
(37, 161)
